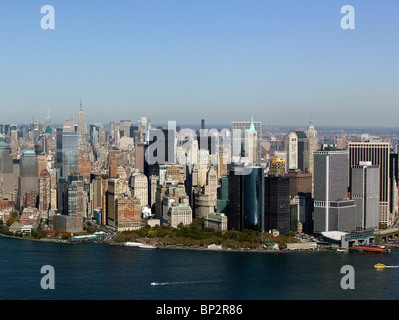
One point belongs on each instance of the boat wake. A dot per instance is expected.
(175, 283)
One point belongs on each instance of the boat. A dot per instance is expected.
(372, 248)
(340, 250)
(154, 283)
(140, 245)
(379, 266)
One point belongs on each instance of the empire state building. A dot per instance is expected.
(81, 125)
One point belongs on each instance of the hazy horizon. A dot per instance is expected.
(280, 62)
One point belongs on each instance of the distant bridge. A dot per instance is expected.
(386, 235)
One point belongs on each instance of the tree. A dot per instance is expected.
(11, 220)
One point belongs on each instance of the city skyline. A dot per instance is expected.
(283, 64)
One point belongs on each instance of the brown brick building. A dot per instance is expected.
(299, 182)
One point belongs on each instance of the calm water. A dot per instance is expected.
(96, 271)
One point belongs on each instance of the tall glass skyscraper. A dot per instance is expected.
(67, 153)
(245, 209)
(254, 199)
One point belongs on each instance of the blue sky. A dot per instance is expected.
(224, 60)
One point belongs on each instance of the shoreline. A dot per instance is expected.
(169, 247)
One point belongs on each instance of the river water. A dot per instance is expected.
(99, 271)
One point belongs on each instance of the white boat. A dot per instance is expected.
(139, 245)
(342, 251)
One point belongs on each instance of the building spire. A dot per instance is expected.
(81, 108)
(252, 127)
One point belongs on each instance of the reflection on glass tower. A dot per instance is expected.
(254, 199)
(67, 153)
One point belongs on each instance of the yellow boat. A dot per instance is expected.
(379, 266)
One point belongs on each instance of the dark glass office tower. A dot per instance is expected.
(306, 211)
(67, 153)
(235, 207)
(277, 204)
(303, 151)
(254, 199)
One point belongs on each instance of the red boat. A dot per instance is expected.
(372, 248)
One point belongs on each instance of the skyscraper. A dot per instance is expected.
(393, 183)
(244, 206)
(6, 170)
(161, 149)
(28, 177)
(139, 187)
(277, 204)
(333, 211)
(377, 153)
(291, 146)
(241, 135)
(365, 182)
(311, 133)
(67, 152)
(235, 207)
(254, 207)
(82, 130)
(44, 193)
